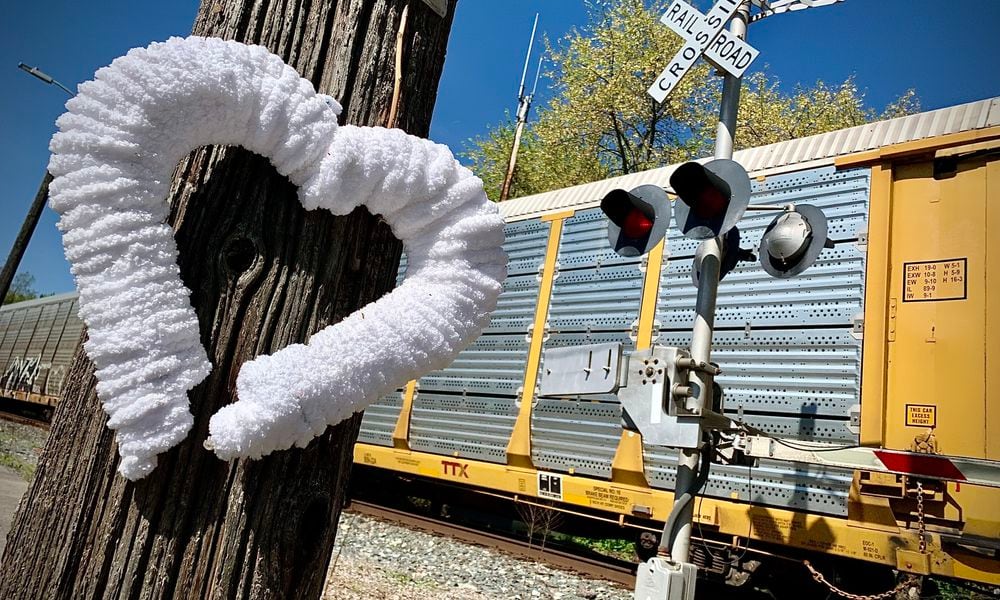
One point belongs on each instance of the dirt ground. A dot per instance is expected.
(12, 486)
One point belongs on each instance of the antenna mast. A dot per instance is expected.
(523, 106)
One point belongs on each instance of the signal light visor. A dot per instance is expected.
(637, 219)
(713, 197)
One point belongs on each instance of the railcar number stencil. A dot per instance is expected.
(935, 280)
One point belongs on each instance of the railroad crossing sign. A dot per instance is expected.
(704, 35)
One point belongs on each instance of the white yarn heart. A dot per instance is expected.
(112, 160)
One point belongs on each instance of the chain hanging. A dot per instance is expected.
(921, 526)
(902, 585)
(922, 536)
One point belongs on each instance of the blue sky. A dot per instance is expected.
(949, 55)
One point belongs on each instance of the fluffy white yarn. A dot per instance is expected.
(112, 160)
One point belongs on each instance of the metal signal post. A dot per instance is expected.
(712, 198)
(708, 286)
(669, 394)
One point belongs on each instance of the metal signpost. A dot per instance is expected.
(669, 394)
(704, 35)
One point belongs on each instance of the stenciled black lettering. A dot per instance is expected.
(744, 60)
(734, 57)
(674, 9)
(690, 22)
(689, 53)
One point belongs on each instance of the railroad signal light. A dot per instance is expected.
(637, 219)
(713, 197)
(793, 241)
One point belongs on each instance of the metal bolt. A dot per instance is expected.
(649, 371)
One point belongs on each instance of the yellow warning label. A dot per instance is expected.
(921, 415)
(603, 497)
(931, 281)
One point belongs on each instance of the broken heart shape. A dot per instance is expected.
(112, 160)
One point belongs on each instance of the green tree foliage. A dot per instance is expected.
(767, 115)
(601, 123)
(538, 168)
(21, 288)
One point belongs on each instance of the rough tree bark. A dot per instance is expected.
(264, 274)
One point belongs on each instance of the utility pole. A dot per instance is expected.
(523, 106)
(264, 273)
(37, 205)
(24, 236)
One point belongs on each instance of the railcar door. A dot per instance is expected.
(943, 305)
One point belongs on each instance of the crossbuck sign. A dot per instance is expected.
(703, 35)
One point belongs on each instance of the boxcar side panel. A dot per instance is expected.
(37, 341)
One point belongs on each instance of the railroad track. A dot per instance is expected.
(608, 568)
(22, 420)
(12, 411)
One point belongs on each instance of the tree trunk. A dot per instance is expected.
(264, 273)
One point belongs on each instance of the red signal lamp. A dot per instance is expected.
(711, 204)
(636, 224)
(637, 219)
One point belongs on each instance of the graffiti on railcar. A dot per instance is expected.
(54, 381)
(20, 374)
(31, 375)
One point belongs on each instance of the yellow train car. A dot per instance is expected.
(892, 340)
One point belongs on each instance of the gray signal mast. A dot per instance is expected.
(705, 35)
(676, 400)
(523, 106)
(711, 254)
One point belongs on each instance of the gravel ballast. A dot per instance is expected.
(377, 560)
